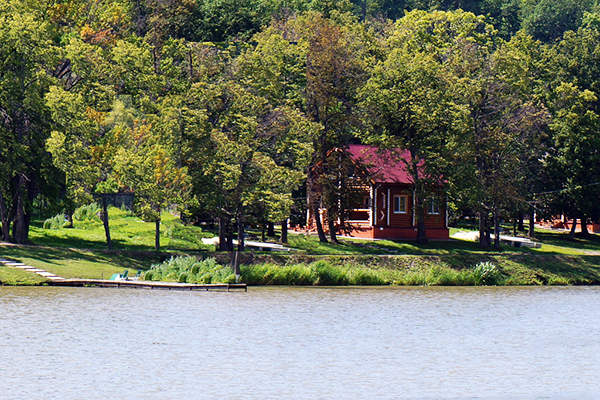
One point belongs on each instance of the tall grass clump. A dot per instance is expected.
(487, 274)
(318, 273)
(438, 275)
(190, 270)
(87, 213)
(325, 274)
(271, 274)
(56, 222)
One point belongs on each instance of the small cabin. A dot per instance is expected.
(387, 207)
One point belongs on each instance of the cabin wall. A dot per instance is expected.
(387, 224)
(400, 233)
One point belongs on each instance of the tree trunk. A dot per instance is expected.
(572, 233)
(531, 232)
(270, 229)
(332, 231)
(105, 222)
(584, 229)
(496, 230)
(19, 233)
(320, 231)
(418, 198)
(157, 235)
(240, 228)
(222, 234)
(520, 222)
(4, 220)
(484, 241)
(235, 263)
(262, 233)
(420, 217)
(284, 231)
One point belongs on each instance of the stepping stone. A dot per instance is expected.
(45, 273)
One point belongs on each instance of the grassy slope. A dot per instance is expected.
(127, 233)
(79, 252)
(74, 263)
(16, 277)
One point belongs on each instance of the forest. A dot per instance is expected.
(229, 110)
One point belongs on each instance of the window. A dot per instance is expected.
(433, 208)
(399, 204)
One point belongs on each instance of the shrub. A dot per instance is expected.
(189, 269)
(56, 222)
(486, 274)
(147, 276)
(87, 213)
(183, 277)
(356, 276)
(324, 274)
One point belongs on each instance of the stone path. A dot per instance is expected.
(41, 272)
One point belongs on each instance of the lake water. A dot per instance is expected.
(300, 343)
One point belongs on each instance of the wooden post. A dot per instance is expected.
(105, 221)
(284, 231)
(157, 236)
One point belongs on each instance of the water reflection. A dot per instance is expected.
(301, 343)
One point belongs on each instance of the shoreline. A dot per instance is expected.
(516, 268)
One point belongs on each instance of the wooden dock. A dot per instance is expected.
(136, 284)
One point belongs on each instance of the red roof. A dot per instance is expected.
(385, 166)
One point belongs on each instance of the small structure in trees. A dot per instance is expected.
(386, 208)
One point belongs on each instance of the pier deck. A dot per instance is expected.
(136, 284)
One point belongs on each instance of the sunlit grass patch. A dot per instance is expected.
(18, 277)
(128, 232)
(70, 263)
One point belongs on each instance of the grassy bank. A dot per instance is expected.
(411, 270)
(72, 263)
(17, 277)
(302, 269)
(80, 253)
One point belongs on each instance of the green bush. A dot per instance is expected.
(147, 276)
(183, 277)
(486, 274)
(87, 213)
(324, 274)
(56, 222)
(190, 270)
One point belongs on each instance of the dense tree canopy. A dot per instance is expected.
(225, 109)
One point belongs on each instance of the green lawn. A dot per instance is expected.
(127, 233)
(348, 246)
(73, 263)
(131, 233)
(553, 242)
(16, 277)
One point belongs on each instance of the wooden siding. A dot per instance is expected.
(385, 215)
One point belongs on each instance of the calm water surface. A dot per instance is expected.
(294, 343)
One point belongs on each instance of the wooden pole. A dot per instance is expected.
(105, 221)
